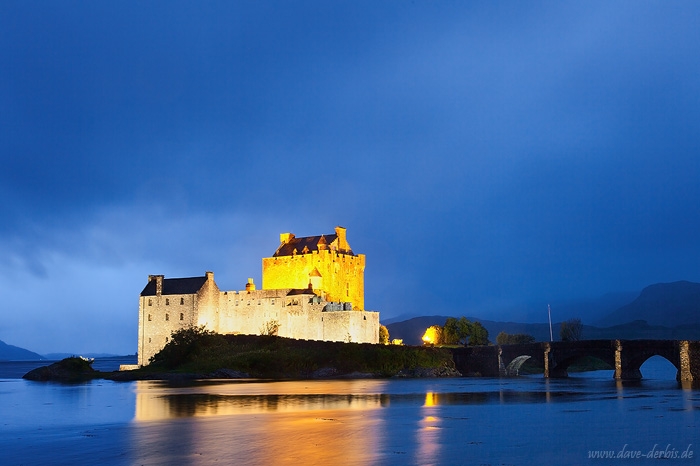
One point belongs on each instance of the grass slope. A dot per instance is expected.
(201, 352)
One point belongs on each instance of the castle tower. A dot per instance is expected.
(327, 262)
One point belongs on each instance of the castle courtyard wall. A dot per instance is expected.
(351, 326)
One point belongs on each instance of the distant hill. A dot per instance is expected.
(411, 331)
(59, 356)
(15, 353)
(666, 304)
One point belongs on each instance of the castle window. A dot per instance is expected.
(364, 317)
(258, 302)
(236, 302)
(182, 301)
(149, 317)
(167, 301)
(166, 339)
(149, 339)
(167, 316)
(182, 316)
(273, 301)
(150, 302)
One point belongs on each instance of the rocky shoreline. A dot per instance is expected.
(76, 370)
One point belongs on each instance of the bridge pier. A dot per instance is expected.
(689, 370)
(624, 370)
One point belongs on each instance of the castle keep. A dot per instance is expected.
(312, 288)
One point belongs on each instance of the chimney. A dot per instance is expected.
(209, 275)
(286, 237)
(159, 284)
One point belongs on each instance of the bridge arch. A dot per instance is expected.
(632, 368)
(513, 368)
(563, 354)
(560, 368)
(660, 368)
(512, 357)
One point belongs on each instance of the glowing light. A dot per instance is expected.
(431, 335)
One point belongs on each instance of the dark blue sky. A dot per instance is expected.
(486, 157)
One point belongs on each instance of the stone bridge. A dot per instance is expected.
(626, 356)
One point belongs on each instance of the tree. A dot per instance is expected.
(571, 330)
(182, 344)
(504, 338)
(464, 332)
(479, 335)
(271, 327)
(457, 331)
(383, 335)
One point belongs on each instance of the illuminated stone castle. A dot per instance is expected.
(313, 289)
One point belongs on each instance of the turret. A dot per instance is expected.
(343, 245)
(250, 286)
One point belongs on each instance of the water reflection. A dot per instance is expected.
(160, 402)
(453, 421)
(259, 423)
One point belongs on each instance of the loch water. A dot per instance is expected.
(482, 421)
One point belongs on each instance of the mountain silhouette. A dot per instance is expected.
(668, 304)
(15, 353)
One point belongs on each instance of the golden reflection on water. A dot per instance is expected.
(428, 435)
(156, 401)
(259, 423)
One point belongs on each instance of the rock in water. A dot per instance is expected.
(73, 369)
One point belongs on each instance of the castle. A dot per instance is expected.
(312, 288)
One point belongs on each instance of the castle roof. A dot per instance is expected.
(296, 291)
(189, 285)
(306, 244)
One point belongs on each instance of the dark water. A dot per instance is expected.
(525, 420)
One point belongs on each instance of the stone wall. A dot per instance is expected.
(159, 316)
